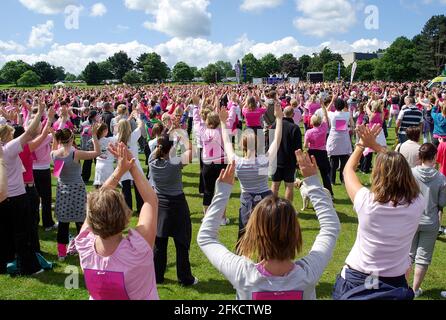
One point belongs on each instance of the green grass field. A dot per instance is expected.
(51, 284)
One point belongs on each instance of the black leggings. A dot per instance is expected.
(334, 162)
(324, 167)
(127, 191)
(184, 272)
(63, 232)
(33, 199)
(211, 172)
(42, 179)
(86, 170)
(16, 241)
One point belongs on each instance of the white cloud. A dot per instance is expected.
(185, 18)
(321, 17)
(98, 10)
(258, 5)
(196, 52)
(47, 6)
(41, 35)
(11, 46)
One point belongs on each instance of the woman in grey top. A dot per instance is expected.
(433, 186)
(71, 193)
(165, 175)
(265, 268)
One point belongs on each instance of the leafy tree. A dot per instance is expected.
(290, 65)
(331, 70)
(304, 65)
(211, 74)
(140, 62)
(270, 64)
(13, 70)
(120, 64)
(182, 72)
(365, 70)
(154, 68)
(92, 74)
(397, 62)
(70, 77)
(132, 77)
(253, 67)
(197, 72)
(105, 71)
(224, 67)
(45, 71)
(320, 59)
(29, 79)
(60, 74)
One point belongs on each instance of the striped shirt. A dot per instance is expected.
(253, 174)
(410, 117)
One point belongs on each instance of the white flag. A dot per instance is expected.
(354, 66)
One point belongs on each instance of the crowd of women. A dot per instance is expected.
(257, 133)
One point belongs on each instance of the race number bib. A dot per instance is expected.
(278, 295)
(106, 285)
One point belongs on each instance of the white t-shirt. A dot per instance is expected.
(385, 235)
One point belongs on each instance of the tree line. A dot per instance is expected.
(420, 58)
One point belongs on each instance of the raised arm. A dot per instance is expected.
(321, 252)
(33, 128)
(275, 145)
(3, 178)
(367, 140)
(33, 145)
(229, 149)
(218, 255)
(90, 155)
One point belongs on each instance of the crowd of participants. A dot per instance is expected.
(304, 135)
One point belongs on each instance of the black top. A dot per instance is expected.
(107, 117)
(291, 142)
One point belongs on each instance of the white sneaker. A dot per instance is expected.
(443, 294)
(62, 259)
(196, 281)
(56, 225)
(38, 272)
(418, 293)
(225, 222)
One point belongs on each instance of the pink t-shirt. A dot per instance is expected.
(253, 118)
(441, 157)
(312, 108)
(27, 158)
(133, 260)
(316, 138)
(68, 125)
(384, 236)
(14, 166)
(43, 155)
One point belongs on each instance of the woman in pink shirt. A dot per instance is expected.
(316, 141)
(118, 267)
(253, 115)
(64, 121)
(388, 215)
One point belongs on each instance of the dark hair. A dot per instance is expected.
(340, 104)
(92, 115)
(64, 136)
(158, 129)
(18, 131)
(413, 133)
(427, 152)
(163, 147)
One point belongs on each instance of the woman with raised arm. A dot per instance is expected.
(265, 268)
(3, 178)
(17, 223)
(252, 168)
(71, 191)
(388, 215)
(118, 267)
(165, 172)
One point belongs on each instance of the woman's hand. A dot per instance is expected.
(228, 175)
(123, 155)
(368, 136)
(223, 113)
(278, 112)
(307, 164)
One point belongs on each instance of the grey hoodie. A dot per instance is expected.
(433, 186)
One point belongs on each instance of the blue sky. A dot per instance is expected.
(202, 31)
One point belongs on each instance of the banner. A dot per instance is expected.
(354, 66)
(339, 71)
(238, 71)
